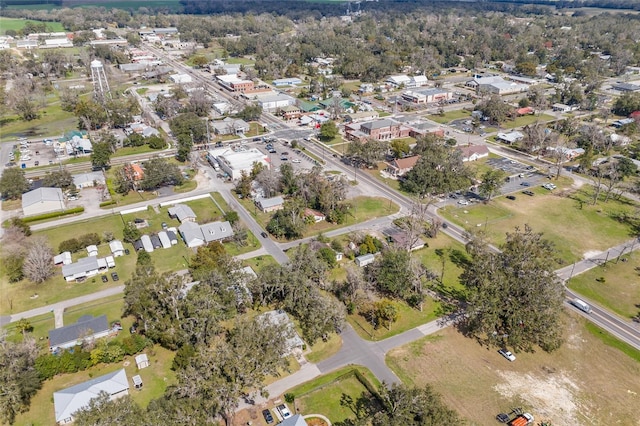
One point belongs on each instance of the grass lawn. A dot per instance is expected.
(259, 262)
(408, 319)
(444, 252)
(52, 121)
(133, 150)
(41, 326)
(155, 379)
(241, 61)
(323, 350)
(592, 227)
(323, 394)
(449, 116)
(526, 119)
(569, 386)
(620, 291)
(110, 306)
(18, 24)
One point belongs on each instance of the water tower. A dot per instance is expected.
(99, 78)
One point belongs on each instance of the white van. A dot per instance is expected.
(581, 305)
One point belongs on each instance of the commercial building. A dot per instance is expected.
(235, 84)
(427, 96)
(236, 162)
(381, 130)
(42, 200)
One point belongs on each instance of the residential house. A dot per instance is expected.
(164, 239)
(155, 241)
(525, 111)
(70, 400)
(171, 235)
(296, 420)
(267, 205)
(293, 342)
(137, 173)
(92, 250)
(400, 166)
(365, 259)
(361, 116)
(42, 200)
(617, 124)
(473, 152)
(182, 212)
(84, 268)
(195, 235)
(510, 138)
(402, 239)
(315, 215)
(117, 249)
(63, 258)
(87, 327)
(137, 245)
(564, 108)
(146, 243)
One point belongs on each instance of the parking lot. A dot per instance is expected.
(33, 153)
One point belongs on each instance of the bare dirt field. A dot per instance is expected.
(583, 383)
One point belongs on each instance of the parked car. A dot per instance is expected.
(525, 184)
(104, 278)
(463, 202)
(267, 416)
(511, 197)
(529, 193)
(296, 160)
(549, 186)
(164, 225)
(114, 276)
(283, 158)
(507, 354)
(284, 411)
(264, 234)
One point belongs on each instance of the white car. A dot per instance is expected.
(507, 354)
(463, 202)
(295, 160)
(284, 411)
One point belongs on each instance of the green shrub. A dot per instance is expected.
(107, 203)
(53, 214)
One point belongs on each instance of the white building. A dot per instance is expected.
(234, 163)
(42, 200)
(70, 400)
(181, 78)
(271, 101)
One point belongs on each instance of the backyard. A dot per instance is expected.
(569, 386)
(593, 228)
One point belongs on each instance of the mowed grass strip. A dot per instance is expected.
(615, 285)
(575, 226)
(18, 24)
(584, 382)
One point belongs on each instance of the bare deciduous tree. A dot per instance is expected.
(38, 264)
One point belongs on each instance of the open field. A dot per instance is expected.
(592, 227)
(112, 307)
(620, 290)
(323, 350)
(323, 394)
(586, 381)
(51, 122)
(17, 24)
(526, 119)
(450, 116)
(155, 378)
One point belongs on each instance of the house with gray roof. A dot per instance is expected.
(270, 204)
(117, 249)
(296, 420)
(88, 179)
(195, 235)
(182, 212)
(83, 268)
(42, 200)
(293, 341)
(164, 239)
(87, 327)
(70, 400)
(146, 243)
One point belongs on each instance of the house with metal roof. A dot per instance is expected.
(70, 400)
(84, 268)
(296, 420)
(117, 249)
(164, 239)
(510, 138)
(293, 341)
(88, 179)
(87, 327)
(270, 204)
(155, 241)
(182, 212)
(63, 258)
(92, 250)
(42, 200)
(146, 243)
(195, 235)
(365, 259)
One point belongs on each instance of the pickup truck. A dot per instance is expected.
(522, 420)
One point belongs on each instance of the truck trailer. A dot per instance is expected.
(522, 420)
(580, 304)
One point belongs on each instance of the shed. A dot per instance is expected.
(137, 381)
(92, 250)
(117, 249)
(182, 212)
(270, 204)
(365, 259)
(63, 258)
(142, 361)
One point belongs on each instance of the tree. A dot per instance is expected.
(404, 406)
(58, 179)
(385, 313)
(439, 170)
(38, 263)
(159, 172)
(328, 130)
(492, 180)
(514, 297)
(400, 148)
(626, 104)
(392, 273)
(13, 183)
(250, 113)
(131, 233)
(101, 155)
(154, 300)
(367, 152)
(495, 108)
(19, 378)
(104, 411)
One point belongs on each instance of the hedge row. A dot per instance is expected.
(107, 203)
(44, 216)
